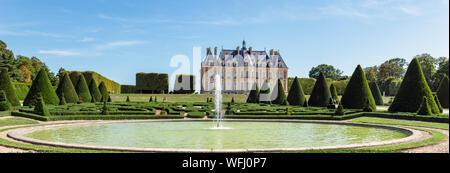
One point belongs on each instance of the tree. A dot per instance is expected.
(103, 91)
(296, 96)
(65, 87)
(442, 92)
(328, 70)
(371, 73)
(253, 97)
(412, 91)
(95, 92)
(333, 92)
(376, 93)
(357, 92)
(41, 84)
(321, 93)
(6, 86)
(83, 90)
(428, 64)
(280, 96)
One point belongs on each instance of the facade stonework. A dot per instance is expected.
(241, 68)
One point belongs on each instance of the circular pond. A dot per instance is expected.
(199, 135)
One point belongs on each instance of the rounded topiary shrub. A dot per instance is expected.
(83, 89)
(296, 96)
(321, 93)
(412, 91)
(442, 92)
(66, 88)
(376, 93)
(7, 87)
(358, 92)
(41, 84)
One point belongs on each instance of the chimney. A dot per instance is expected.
(215, 50)
(237, 50)
(271, 52)
(208, 51)
(275, 53)
(250, 49)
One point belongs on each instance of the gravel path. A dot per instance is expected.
(442, 147)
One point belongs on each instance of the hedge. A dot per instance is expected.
(128, 89)
(358, 94)
(66, 87)
(21, 89)
(296, 95)
(376, 93)
(95, 92)
(41, 84)
(83, 90)
(253, 96)
(152, 82)
(7, 87)
(111, 86)
(104, 92)
(280, 97)
(412, 91)
(196, 114)
(184, 84)
(442, 92)
(321, 93)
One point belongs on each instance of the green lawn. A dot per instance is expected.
(16, 121)
(400, 122)
(4, 113)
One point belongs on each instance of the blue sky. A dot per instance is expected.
(120, 38)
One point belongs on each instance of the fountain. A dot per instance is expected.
(218, 104)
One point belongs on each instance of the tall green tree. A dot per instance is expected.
(357, 95)
(412, 91)
(5, 85)
(66, 88)
(328, 70)
(321, 93)
(41, 85)
(376, 93)
(296, 96)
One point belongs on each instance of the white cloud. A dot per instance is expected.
(59, 52)
(116, 44)
(340, 11)
(411, 10)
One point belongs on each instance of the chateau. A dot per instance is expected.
(240, 68)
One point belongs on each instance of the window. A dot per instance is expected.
(246, 74)
(256, 75)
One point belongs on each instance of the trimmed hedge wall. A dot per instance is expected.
(182, 82)
(152, 82)
(21, 89)
(128, 89)
(111, 86)
(308, 84)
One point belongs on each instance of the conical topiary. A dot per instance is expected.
(95, 92)
(83, 89)
(442, 92)
(424, 108)
(438, 103)
(232, 99)
(340, 110)
(321, 93)
(109, 99)
(333, 92)
(156, 99)
(367, 107)
(7, 87)
(40, 108)
(62, 99)
(41, 84)
(253, 97)
(305, 104)
(279, 95)
(103, 91)
(412, 90)
(4, 104)
(128, 99)
(358, 92)
(376, 93)
(151, 99)
(296, 96)
(65, 87)
(331, 104)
